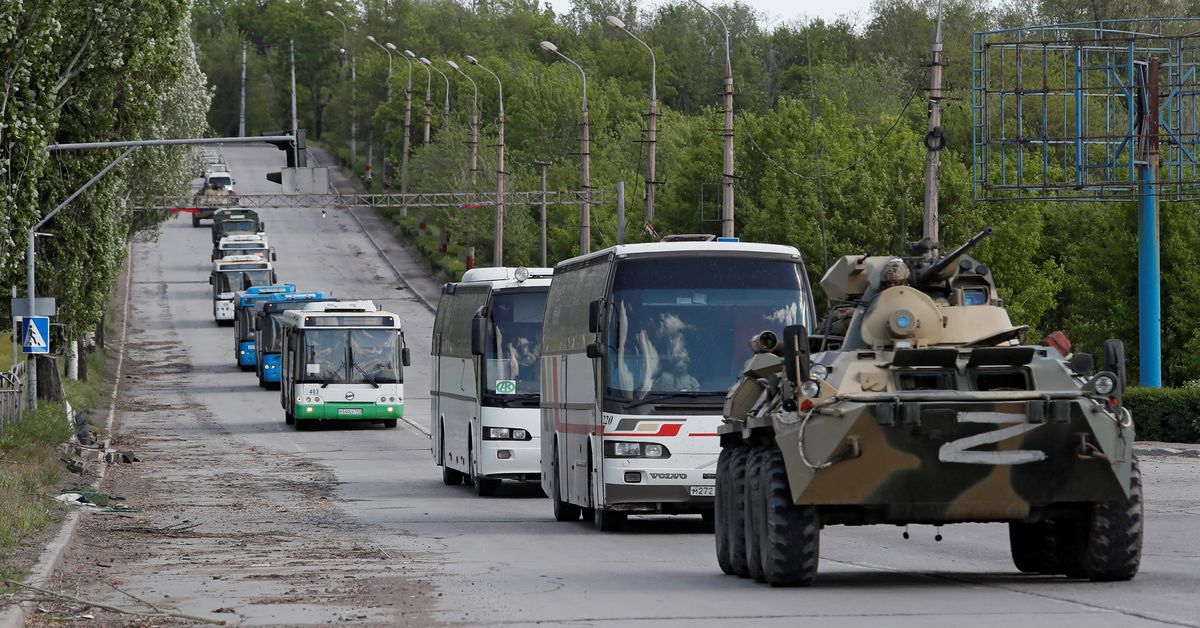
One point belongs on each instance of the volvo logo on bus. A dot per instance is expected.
(669, 476)
(350, 395)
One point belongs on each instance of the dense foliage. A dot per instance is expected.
(830, 117)
(85, 72)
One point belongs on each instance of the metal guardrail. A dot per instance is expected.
(466, 200)
(12, 394)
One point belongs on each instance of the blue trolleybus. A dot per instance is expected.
(245, 303)
(269, 341)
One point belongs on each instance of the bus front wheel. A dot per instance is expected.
(289, 418)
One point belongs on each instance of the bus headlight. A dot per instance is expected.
(630, 449)
(505, 433)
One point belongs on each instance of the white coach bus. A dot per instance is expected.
(487, 339)
(342, 361)
(641, 344)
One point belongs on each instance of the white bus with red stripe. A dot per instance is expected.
(640, 344)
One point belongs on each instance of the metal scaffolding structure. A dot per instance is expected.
(465, 200)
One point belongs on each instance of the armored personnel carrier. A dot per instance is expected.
(932, 410)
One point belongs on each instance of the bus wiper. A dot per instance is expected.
(370, 380)
(334, 374)
(509, 399)
(676, 395)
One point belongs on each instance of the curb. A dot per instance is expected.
(15, 615)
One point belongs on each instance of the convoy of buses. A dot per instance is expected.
(602, 380)
(331, 360)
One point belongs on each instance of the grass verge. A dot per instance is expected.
(28, 467)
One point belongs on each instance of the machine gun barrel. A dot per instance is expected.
(930, 273)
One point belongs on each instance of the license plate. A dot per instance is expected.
(345, 411)
(702, 491)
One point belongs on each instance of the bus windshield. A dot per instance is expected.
(270, 337)
(514, 347)
(237, 280)
(683, 325)
(243, 320)
(351, 356)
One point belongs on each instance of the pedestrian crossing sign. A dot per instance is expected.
(35, 334)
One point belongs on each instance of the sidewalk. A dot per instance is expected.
(399, 255)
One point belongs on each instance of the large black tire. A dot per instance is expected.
(791, 543)
(736, 512)
(1034, 547)
(289, 418)
(485, 487)
(1114, 548)
(754, 515)
(721, 511)
(563, 511)
(1106, 544)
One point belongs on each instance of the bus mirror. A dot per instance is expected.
(795, 353)
(274, 258)
(478, 335)
(595, 308)
(594, 351)
(404, 357)
(210, 280)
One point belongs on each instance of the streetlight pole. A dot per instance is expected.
(407, 135)
(498, 247)
(727, 206)
(474, 120)
(651, 117)
(585, 219)
(387, 126)
(428, 93)
(353, 92)
(542, 165)
(446, 106)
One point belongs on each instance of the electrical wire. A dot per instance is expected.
(856, 162)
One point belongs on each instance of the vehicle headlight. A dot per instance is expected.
(499, 433)
(810, 388)
(519, 434)
(819, 371)
(1103, 384)
(632, 450)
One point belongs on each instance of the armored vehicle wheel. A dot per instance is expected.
(754, 514)
(791, 541)
(735, 512)
(1106, 544)
(1034, 548)
(563, 511)
(1114, 548)
(721, 511)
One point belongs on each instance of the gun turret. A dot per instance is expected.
(932, 273)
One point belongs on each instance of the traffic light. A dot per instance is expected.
(296, 152)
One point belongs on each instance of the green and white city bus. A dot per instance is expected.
(342, 360)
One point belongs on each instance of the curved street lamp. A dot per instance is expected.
(585, 220)
(651, 117)
(446, 108)
(353, 92)
(498, 245)
(428, 102)
(474, 120)
(387, 126)
(407, 134)
(727, 205)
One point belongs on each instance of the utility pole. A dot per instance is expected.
(295, 120)
(934, 142)
(353, 112)
(727, 191)
(242, 109)
(542, 165)
(474, 120)
(498, 247)
(407, 136)
(585, 223)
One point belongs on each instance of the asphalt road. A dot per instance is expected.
(504, 560)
